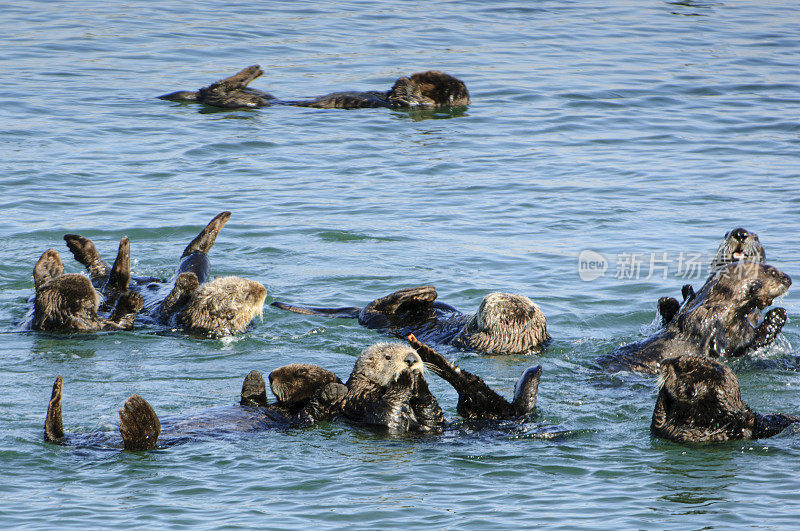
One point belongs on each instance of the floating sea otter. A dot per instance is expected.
(699, 401)
(69, 302)
(738, 245)
(504, 324)
(425, 90)
(302, 392)
(716, 322)
(218, 307)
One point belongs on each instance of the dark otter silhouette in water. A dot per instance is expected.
(70, 303)
(476, 400)
(301, 389)
(217, 307)
(716, 322)
(423, 90)
(700, 401)
(229, 93)
(504, 324)
(737, 245)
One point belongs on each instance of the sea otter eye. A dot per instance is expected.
(388, 357)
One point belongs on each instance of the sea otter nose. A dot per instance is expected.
(739, 234)
(411, 359)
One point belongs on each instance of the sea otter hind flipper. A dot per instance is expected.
(526, 391)
(53, 425)
(345, 313)
(667, 308)
(476, 400)
(239, 80)
(120, 274)
(138, 425)
(205, 240)
(85, 252)
(179, 297)
(254, 390)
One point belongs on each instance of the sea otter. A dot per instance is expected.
(504, 324)
(230, 93)
(69, 302)
(716, 322)
(699, 401)
(218, 307)
(476, 400)
(737, 245)
(387, 389)
(423, 90)
(301, 390)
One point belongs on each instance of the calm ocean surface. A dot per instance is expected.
(639, 130)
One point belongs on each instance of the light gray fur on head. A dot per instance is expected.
(505, 324)
(733, 250)
(226, 305)
(383, 363)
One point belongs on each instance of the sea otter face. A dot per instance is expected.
(752, 284)
(383, 363)
(738, 245)
(429, 90)
(226, 305)
(505, 324)
(298, 382)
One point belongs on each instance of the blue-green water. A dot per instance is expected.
(619, 127)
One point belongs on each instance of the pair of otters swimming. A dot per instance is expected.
(423, 90)
(192, 302)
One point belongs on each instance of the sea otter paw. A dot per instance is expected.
(333, 393)
(138, 424)
(667, 307)
(769, 328)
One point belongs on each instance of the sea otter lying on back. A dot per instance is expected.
(423, 90)
(699, 401)
(504, 323)
(69, 302)
(192, 302)
(301, 391)
(716, 322)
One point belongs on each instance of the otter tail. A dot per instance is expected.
(138, 425)
(205, 240)
(53, 426)
(346, 313)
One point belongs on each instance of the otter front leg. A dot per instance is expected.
(667, 308)
(768, 330)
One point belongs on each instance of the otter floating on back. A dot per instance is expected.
(302, 391)
(70, 303)
(423, 90)
(192, 302)
(504, 324)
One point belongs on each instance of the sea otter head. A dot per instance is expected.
(505, 324)
(699, 401)
(748, 285)
(383, 364)
(224, 306)
(429, 89)
(738, 245)
(296, 383)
